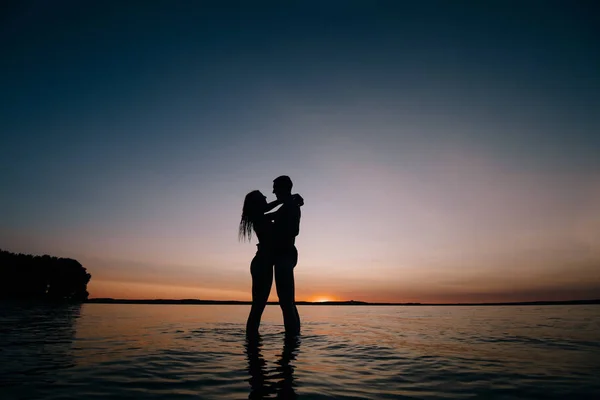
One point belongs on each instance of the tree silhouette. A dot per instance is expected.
(24, 276)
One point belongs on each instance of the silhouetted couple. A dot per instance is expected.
(276, 233)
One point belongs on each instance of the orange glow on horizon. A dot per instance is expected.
(138, 290)
(321, 299)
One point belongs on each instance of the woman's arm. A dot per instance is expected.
(271, 216)
(272, 205)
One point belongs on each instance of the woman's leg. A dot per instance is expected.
(284, 281)
(262, 279)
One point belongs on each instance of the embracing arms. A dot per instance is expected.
(272, 205)
(296, 198)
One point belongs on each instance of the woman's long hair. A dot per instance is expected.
(250, 211)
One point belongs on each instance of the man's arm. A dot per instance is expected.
(295, 220)
(288, 221)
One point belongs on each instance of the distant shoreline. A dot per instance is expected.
(336, 303)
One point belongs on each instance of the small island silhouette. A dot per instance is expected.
(44, 278)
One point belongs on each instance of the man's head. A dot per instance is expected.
(282, 187)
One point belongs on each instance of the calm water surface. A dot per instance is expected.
(101, 351)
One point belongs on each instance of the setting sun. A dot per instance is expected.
(322, 299)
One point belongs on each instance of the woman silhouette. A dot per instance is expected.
(255, 217)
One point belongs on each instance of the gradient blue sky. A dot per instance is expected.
(447, 151)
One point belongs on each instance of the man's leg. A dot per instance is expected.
(284, 281)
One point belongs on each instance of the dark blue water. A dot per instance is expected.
(98, 351)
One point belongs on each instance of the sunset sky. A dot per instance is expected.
(446, 151)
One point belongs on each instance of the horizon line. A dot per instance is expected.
(340, 302)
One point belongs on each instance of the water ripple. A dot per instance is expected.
(179, 352)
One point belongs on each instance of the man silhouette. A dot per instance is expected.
(286, 226)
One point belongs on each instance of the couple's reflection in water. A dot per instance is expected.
(272, 383)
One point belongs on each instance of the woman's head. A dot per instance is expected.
(254, 206)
